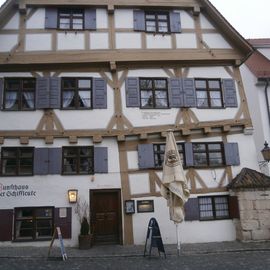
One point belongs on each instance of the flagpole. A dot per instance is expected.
(178, 239)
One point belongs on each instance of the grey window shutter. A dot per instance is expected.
(146, 156)
(189, 92)
(189, 154)
(51, 17)
(41, 161)
(43, 93)
(1, 92)
(55, 93)
(229, 92)
(231, 151)
(192, 209)
(132, 92)
(99, 93)
(55, 161)
(175, 22)
(90, 20)
(6, 224)
(139, 20)
(234, 207)
(101, 159)
(63, 222)
(176, 93)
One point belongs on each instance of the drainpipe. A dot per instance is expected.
(267, 100)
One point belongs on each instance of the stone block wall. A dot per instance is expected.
(254, 223)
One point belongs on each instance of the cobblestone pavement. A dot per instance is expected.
(238, 260)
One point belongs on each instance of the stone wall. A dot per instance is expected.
(254, 223)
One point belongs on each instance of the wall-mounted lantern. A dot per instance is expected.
(266, 152)
(72, 195)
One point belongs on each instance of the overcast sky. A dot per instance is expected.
(250, 19)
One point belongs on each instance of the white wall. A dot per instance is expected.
(8, 41)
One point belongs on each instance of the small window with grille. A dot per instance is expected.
(215, 207)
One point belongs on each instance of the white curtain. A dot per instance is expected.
(11, 98)
(85, 98)
(67, 98)
(29, 97)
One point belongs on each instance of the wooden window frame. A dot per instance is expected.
(158, 153)
(157, 21)
(213, 209)
(70, 17)
(153, 90)
(17, 158)
(20, 91)
(208, 91)
(207, 152)
(34, 220)
(77, 157)
(76, 93)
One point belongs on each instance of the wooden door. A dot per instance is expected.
(106, 216)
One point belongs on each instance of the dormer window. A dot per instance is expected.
(71, 19)
(157, 22)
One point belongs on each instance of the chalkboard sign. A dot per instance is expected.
(153, 238)
(57, 231)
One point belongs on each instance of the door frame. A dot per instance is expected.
(119, 198)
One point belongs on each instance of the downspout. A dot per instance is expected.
(267, 99)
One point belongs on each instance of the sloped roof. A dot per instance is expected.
(259, 42)
(259, 65)
(250, 179)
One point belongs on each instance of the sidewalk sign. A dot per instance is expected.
(62, 247)
(153, 238)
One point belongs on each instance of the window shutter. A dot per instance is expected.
(175, 22)
(1, 92)
(55, 161)
(101, 159)
(41, 161)
(90, 20)
(146, 156)
(42, 93)
(176, 93)
(99, 93)
(189, 92)
(192, 211)
(132, 92)
(55, 93)
(229, 92)
(51, 18)
(6, 217)
(139, 20)
(234, 207)
(189, 154)
(63, 223)
(231, 151)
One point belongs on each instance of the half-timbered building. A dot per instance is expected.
(88, 90)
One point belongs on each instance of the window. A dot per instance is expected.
(209, 93)
(208, 154)
(19, 94)
(71, 19)
(157, 22)
(78, 160)
(76, 93)
(154, 93)
(159, 150)
(33, 223)
(17, 161)
(213, 207)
